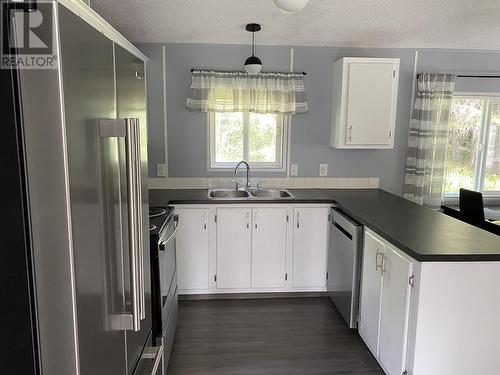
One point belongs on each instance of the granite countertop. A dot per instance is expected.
(424, 234)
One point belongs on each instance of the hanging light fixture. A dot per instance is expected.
(253, 65)
(290, 6)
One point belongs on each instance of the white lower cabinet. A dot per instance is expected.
(371, 292)
(395, 310)
(269, 247)
(193, 249)
(244, 248)
(234, 248)
(385, 303)
(310, 247)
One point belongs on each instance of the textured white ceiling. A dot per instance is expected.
(473, 24)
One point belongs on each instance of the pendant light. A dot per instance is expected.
(290, 6)
(253, 65)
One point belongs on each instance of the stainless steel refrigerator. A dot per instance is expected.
(79, 153)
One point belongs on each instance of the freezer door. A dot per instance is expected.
(94, 181)
(131, 105)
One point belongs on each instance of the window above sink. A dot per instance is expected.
(258, 138)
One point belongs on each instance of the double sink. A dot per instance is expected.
(245, 194)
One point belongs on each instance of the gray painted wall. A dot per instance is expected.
(310, 131)
(156, 120)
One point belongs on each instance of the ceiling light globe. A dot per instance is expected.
(253, 65)
(253, 69)
(290, 6)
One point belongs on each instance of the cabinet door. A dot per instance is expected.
(371, 289)
(234, 237)
(192, 249)
(371, 103)
(310, 246)
(394, 311)
(268, 247)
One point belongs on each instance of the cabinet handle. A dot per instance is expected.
(205, 222)
(383, 270)
(377, 265)
(255, 218)
(349, 137)
(248, 219)
(298, 221)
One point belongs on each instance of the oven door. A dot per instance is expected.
(167, 268)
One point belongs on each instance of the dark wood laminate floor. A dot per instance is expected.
(305, 336)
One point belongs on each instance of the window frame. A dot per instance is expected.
(213, 166)
(481, 153)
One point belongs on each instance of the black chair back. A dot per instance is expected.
(471, 206)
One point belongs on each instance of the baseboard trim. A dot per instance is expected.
(200, 297)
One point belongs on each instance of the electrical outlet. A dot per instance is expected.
(161, 170)
(323, 170)
(294, 169)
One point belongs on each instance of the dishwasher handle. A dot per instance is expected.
(344, 232)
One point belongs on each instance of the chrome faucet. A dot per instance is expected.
(248, 171)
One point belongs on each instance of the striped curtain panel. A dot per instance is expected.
(278, 93)
(427, 140)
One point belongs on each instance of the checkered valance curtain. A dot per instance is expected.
(425, 162)
(279, 93)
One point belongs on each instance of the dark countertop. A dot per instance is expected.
(424, 234)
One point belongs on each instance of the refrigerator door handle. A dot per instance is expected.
(133, 224)
(129, 128)
(139, 212)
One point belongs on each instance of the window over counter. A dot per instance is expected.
(254, 137)
(473, 152)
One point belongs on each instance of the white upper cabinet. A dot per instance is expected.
(364, 101)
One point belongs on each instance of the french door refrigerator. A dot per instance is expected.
(79, 179)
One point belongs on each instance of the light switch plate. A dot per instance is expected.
(294, 169)
(161, 170)
(323, 170)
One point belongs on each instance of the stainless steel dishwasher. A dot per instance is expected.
(344, 264)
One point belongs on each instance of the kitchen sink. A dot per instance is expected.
(249, 194)
(228, 194)
(271, 193)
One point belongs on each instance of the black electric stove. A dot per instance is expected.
(158, 217)
(163, 224)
